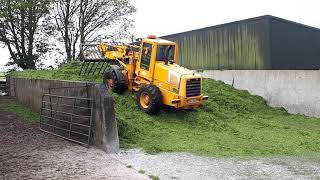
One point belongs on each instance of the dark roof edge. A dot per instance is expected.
(293, 22)
(244, 20)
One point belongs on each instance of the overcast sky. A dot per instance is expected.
(163, 17)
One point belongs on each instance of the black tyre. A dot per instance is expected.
(149, 99)
(118, 84)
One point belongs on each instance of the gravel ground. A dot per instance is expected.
(188, 166)
(28, 153)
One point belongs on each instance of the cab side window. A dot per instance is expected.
(165, 52)
(146, 56)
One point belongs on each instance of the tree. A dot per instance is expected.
(19, 25)
(66, 24)
(79, 21)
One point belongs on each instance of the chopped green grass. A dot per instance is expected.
(2, 76)
(68, 71)
(20, 110)
(154, 177)
(141, 171)
(230, 123)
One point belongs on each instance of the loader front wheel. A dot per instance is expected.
(149, 99)
(118, 84)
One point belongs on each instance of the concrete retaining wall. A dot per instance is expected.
(298, 91)
(30, 91)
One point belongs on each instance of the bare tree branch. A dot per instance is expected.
(86, 20)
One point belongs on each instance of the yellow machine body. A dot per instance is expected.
(180, 87)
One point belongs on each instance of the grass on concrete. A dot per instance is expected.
(2, 76)
(154, 177)
(69, 71)
(20, 110)
(230, 123)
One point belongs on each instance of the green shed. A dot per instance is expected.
(265, 42)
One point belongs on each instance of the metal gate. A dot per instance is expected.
(67, 117)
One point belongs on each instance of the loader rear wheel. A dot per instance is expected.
(149, 99)
(118, 86)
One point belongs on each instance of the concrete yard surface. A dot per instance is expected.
(188, 166)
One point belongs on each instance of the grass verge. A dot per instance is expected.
(20, 110)
(230, 123)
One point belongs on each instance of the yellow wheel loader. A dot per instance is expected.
(149, 69)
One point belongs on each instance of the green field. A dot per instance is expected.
(231, 123)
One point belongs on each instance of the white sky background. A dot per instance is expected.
(163, 17)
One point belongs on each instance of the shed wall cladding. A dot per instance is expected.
(259, 43)
(294, 46)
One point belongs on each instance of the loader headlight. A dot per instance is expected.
(174, 78)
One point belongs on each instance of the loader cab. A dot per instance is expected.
(154, 51)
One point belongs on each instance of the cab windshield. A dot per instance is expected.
(165, 52)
